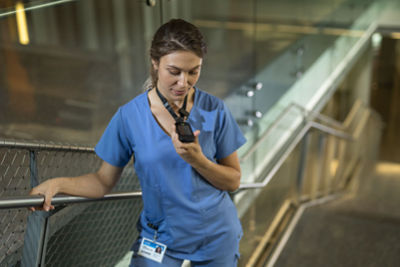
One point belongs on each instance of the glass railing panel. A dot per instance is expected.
(268, 201)
(330, 162)
(328, 165)
(312, 173)
(279, 136)
(372, 134)
(310, 53)
(229, 31)
(345, 23)
(288, 41)
(78, 61)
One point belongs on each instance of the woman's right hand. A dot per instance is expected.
(48, 189)
(91, 185)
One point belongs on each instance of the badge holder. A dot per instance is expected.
(151, 249)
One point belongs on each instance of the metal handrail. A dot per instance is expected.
(331, 131)
(305, 112)
(265, 134)
(289, 149)
(320, 116)
(34, 146)
(37, 6)
(38, 200)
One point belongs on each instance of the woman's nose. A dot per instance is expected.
(183, 79)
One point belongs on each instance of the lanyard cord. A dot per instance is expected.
(182, 111)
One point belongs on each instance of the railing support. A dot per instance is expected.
(302, 167)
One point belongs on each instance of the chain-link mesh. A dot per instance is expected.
(14, 172)
(96, 234)
(14, 181)
(91, 234)
(100, 236)
(65, 163)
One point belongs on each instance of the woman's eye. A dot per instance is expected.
(193, 73)
(174, 72)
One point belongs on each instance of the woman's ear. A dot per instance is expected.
(155, 64)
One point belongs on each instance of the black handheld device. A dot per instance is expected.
(184, 132)
(183, 129)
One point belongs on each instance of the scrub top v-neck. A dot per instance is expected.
(193, 218)
(155, 119)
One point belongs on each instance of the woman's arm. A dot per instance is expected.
(92, 185)
(224, 175)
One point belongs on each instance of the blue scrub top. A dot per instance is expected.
(195, 220)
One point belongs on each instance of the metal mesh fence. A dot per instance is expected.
(14, 172)
(91, 234)
(65, 163)
(96, 234)
(14, 181)
(100, 236)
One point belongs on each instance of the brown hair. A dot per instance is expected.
(175, 35)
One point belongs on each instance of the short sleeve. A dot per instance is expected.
(114, 146)
(229, 137)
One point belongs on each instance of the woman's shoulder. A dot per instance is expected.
(137, 102)
(133, 108)
(207, 100)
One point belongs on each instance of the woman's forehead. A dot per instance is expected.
(181, 59)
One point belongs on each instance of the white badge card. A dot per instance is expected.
(152, 250)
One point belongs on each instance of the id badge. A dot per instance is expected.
(152, 250)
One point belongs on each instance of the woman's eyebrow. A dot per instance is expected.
(175, 67)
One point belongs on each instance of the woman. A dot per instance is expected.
(185, 182)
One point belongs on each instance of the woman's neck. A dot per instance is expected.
(177, 104)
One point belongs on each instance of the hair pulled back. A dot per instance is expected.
(175, 35)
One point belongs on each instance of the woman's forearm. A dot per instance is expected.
(92, 185)
(224, 175)
(88, 185)
(221, 176)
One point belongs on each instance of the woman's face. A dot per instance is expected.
(177, 73)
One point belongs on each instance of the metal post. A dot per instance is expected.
(319, 168)
(34, 250)
(43, 240)
(329, 159)
(302, 166)
(33, 168)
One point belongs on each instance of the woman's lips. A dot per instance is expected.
(178, 92)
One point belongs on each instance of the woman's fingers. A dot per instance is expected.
(43, 190)
(190, 152)
(47, 203)
(33, 192)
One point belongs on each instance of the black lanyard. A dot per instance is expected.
(182, 111)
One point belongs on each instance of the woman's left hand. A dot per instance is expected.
(190, 152)
(224, 174)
